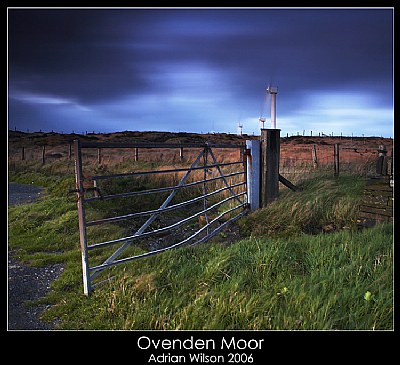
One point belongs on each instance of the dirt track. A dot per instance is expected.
(27, 283)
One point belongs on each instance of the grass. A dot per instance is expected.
(309, 282)
(325, 203)
(288, 274)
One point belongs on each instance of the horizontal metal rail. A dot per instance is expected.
(221, 227)
(178, 244)
(167, 209)
(143, 173)
(156, 145)
(235, 189)
(159, 190)
(167, 228)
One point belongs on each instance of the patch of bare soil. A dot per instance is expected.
(25, 283)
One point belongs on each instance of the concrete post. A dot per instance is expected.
(253, 174)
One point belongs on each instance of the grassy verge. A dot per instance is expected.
(323, 204)
(283, 276)
(324, 282)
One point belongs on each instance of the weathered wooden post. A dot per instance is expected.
(336, 159)
(99, 155)
(43, 154)
(70, 151)
(314, 156)
(23, 154)
(382, 162)
(270, 151)
(95, 187)
(136, 154)
(181, 154)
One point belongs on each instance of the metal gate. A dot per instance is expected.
(216, 199)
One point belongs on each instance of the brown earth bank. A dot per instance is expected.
(353, 149)
(17, 138)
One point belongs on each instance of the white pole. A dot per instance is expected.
(273, 110)
(253, 174)
(273, 90)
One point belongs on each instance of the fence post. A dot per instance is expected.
(253, 173)
(70, 151)
(43, 154)
(23, 154)
(270, 151)
(382, 162)
(181, 154)
(336, 158)
(136, 154)
(314, 156)
(99, 155)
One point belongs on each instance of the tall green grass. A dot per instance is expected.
(341, 281)
(324, 203)
(287, 275)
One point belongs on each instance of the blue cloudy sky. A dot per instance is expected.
(201, 69)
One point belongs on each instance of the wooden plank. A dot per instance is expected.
(376, 206)
(375, 217)
(384, 180)
(375, 200)
(386, 212)
(288, 184)
(378, 193)
(379, 188)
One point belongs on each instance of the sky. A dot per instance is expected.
(201, 70)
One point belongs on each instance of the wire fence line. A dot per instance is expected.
(296, 162)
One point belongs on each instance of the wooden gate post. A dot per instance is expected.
(270, 153)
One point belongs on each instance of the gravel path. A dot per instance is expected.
(22, 193)
(27, 283)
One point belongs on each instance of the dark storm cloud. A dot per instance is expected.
(96, 54)
(70, 53)
(83, 58)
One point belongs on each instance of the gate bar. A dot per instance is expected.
(167, 228)
(222, 175)
(158, 190)
(170, 208)
(151, 253)
(121, 249)
(85, 144)
(142, 173)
